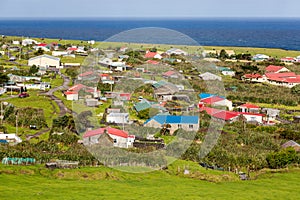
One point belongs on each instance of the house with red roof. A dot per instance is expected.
(288, 79)
(276, 69)
(72, 94)
(254, 78)
(153, 62)
(249, 108)
(150, 54)
(231, 116)
(216, 101)
(114, 137)
(170, 74)
(288, 60)
(223, 115)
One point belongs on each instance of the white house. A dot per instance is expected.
(176, 52)
(28, 41)
(71, 96)
(260, 57)
(60, 53)
(207, 76)
(10, 138)
(16, 42)
(118, 118)
(115, 137)
(44, 61)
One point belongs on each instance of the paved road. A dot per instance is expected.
(63, 109)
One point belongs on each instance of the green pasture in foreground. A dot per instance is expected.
(37, 182)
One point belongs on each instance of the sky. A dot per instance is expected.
(148, 8)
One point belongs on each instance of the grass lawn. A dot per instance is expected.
(36, 100)
(36, 182)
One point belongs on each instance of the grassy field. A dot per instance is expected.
(36, 182)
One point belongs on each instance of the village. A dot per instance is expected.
(158, 89)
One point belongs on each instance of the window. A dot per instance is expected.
(115, 140)
(179, 126)
(191, 126)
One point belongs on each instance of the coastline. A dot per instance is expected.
(273, 52)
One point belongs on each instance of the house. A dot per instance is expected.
(249, 108)
(16, 42)
(171, 74)
(118, 118)
(260, 57)
(72, 94)
(21, 79)
(226, 71)
(10, 138)
(123, 49)
(270, 114)
(214, 60)
(276, 69)
(106, 62)
(288, 60)
(44, 61)
(118, 138)
(150, 54)
(176, 52)
(152, 62)
(292, 144)
(221, 115)
(253, 117)
(231, 116)
(254, 78)
(59, 53)
(145, 104)
(164, 88)
(214, 100)
(287, 79)
(207, 76)
(188, 123)
(28, 41)
(92, 102)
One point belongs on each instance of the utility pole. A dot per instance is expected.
(17, 124)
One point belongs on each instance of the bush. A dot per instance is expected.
(282, 158)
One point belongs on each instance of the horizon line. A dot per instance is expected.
(149, 18)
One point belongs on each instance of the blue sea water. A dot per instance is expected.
(269, 33)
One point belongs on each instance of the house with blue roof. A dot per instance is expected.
(188, 123)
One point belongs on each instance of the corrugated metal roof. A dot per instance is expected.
(172, 119)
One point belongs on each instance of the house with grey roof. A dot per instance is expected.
(207, 76)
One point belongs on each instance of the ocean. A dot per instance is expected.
(266, 33)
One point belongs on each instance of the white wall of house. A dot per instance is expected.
(44, 61)
(120, 142)
(174, 127)
(10, 138)
(72, 97)
(250, 118)
(118, 118)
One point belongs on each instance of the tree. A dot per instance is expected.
(33, 69)
(223, 54)
(39, 52)
(3, 78)
(296, 90)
